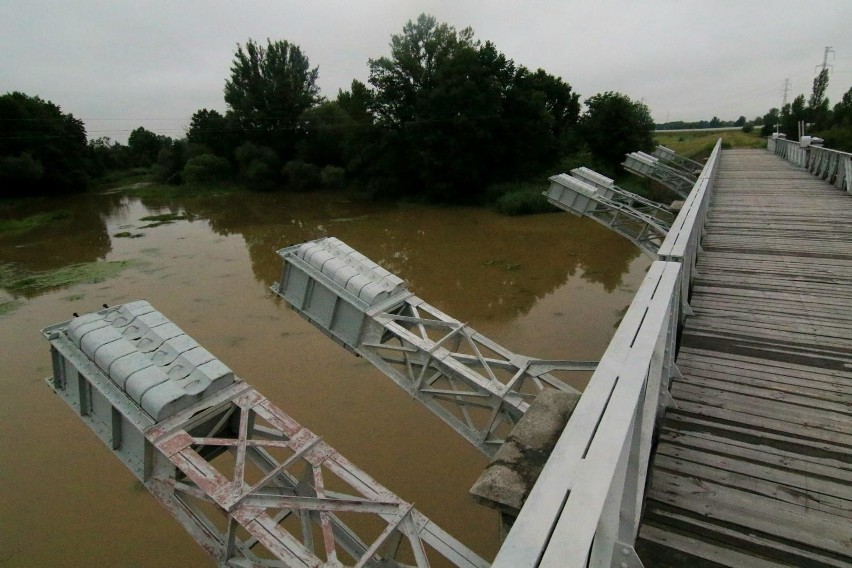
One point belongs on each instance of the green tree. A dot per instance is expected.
(42, 149)
(258, 166)
(769, 120)
(456, 115)
(324, 130)
(206, 168)
(269, 89)
(614, 125)
(740, 121)
(818, 103)
(215, 132)
(791, 115)
(145, 146)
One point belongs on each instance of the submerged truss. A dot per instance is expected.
(252, 486)
(587, 193)
(475, 385)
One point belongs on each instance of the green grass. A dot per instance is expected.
(9, 306)
(17, 226)
(700, 144)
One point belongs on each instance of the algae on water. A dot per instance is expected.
(165, 219)
(18, 280)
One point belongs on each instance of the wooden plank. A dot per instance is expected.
(755, 512)
(694, 536)
(724, 472)
(760, 453)
(766, 390)
(825, 451)
(748, 362)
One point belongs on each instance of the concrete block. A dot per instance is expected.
(509, 477)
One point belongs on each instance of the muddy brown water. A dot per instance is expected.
(551, 286)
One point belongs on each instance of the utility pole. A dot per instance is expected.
(825, 64)
(786, 92)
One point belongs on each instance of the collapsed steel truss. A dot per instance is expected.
(678, 180)
(478, 387)
(643, 221)
(252, 486)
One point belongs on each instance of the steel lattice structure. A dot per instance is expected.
(252, 486)
(587, 193)
(475, 385)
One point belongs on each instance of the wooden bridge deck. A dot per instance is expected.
(754, 466)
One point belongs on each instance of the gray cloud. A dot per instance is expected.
(118, 65)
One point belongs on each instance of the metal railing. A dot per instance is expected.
(683, 241)
(585, 508)
(833, 166)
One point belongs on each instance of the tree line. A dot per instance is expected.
(832, 123)
(442, 118)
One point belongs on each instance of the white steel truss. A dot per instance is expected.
(475, 385)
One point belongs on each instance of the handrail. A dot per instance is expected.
(585, 507)
(833, 166)
(683, 242)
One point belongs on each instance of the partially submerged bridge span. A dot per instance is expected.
(477, 386)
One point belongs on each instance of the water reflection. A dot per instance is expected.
(547, 285)
(467, 261)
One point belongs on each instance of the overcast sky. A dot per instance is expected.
(118, 65)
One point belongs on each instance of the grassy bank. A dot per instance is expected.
(698, 145)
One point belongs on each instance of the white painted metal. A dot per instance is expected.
(586, 503)
(645, 165)
(587, 193)
(475, 385)
(230, 458)
(675, 160)
(833, 166)
(683, 241)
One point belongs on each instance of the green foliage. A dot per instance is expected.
(215, 132)
(613, 125)
(18, 226)
(770, 119)
(171, 160)
(301, 176)
(106, 156)
(42, 149)
(206, 168)
(17, 280)
(145, 146)
(325, 132)
(269, 89)
(258, 167)
(332, 177)
(455, 115)
(747, 128)
(514, 198)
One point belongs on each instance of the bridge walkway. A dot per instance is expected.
(754, 465)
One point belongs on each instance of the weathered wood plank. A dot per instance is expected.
(754, 461)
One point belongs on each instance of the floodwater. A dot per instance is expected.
(552, 286)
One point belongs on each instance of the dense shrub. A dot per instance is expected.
(332, 177)
(300, 176)
(206, 168)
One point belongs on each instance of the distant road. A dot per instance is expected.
(701, 129)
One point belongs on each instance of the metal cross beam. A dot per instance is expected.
(675, 160)
(648, 166)
(252, 486)
(587, 193)
(475, 385)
